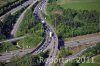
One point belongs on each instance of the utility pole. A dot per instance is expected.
(99, 22)
(55, 23)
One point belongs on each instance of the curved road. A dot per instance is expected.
(37, 13)
(7, 55)
(54, 41)
(67, 44)
(19, 20)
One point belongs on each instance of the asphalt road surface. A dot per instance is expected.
(12, 40)
(18, 7)
(54, 40)
(82, 41)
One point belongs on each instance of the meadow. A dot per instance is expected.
(80, 4)
(97, 59)
(89, 64)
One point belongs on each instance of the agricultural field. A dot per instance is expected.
(89, 64)
(82, 64)
(97, 59)
(80, 4)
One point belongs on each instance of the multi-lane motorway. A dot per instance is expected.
(8, 55)
(54, 41)
(51, 42)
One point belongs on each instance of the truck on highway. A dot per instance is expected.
(50, 34)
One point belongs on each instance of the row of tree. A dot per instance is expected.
(10, 5)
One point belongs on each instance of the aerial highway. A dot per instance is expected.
(8, 55)
(55, 38)
(54, 41)
(38, 49)
(37, 13)
(49, 42)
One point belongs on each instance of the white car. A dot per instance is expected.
(43, 21)
(39, 8)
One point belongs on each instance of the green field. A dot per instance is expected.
(97, 59)
(89, 64)
(82, 64)
(80, 4)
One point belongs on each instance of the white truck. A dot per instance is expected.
(50, 34)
